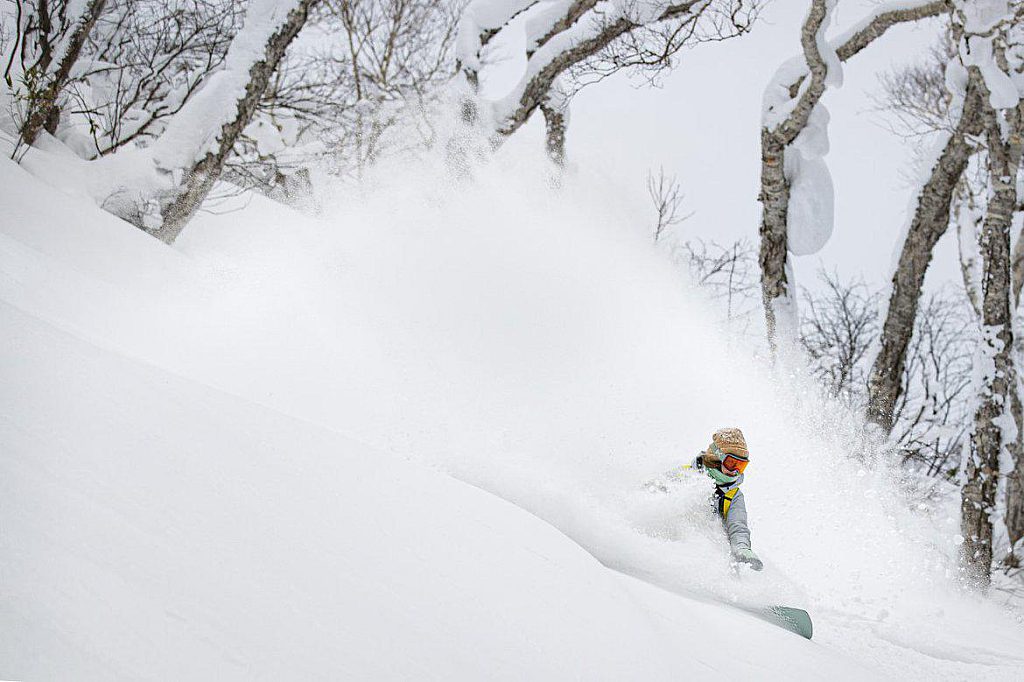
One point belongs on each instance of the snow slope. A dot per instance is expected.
(178, 500)
(156, 528)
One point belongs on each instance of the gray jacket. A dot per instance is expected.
(730, 505)
(734, 517)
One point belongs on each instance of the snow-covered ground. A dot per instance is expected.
(407, 439)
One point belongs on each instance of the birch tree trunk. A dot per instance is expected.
(555, 109)
(774, 251)
(930, 221)
(555, 120)
(994, 365)
(1015, 480)
(182, 203)
(44, 107)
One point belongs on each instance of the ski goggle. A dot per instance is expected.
(731, 464)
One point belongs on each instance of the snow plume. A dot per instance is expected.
(556, 361)
(534, 343)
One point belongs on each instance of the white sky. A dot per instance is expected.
(703, 125)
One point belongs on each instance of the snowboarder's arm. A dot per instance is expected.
(673, 475)
(679, 472)
(736, 524)
(739, 532)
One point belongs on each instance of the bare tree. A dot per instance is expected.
(727, 273)
(933, 412)
(837, 331)
(916, 94)
(840, 324)
(724, 271)
(667, 197)
(337, 101)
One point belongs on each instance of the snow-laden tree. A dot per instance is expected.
(199, 139)
(957, 140)
(144, 60)
(44, 48)
(990, 55)
(925, 106)
(160, 184)
(160, 85)
(563, 41)
(362, 69)
(796, 188)
(975, 164)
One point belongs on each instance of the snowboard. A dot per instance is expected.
(786, 617)
(789, 618)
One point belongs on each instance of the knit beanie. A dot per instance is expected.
(729, 441)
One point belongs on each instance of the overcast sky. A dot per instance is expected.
(703, 125)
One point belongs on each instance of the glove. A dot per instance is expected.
(747, 556)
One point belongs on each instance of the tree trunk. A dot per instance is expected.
(994, 359)
(1015, 479)
(1017, 270)
(930, 221)
(978, 497)
(199, 179)
(773, 254)
(774, 195)
(555, 122)
(44, 110)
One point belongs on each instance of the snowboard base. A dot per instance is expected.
(789, 618)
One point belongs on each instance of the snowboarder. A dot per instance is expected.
(724, 462)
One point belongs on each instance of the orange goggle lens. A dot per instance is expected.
(732, 463)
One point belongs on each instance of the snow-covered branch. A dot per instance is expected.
(160, 187)
(563, 35)
(44, 98)
(884, 17)
(199, 139)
